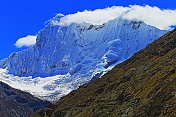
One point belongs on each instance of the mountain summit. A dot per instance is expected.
(66, 57)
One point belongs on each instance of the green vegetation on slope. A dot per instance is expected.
(143, 86)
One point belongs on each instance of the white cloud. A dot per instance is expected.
(154, 16)
(26, 41)
(160, 18)
(96, 17)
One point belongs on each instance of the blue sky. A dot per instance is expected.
(19, 18)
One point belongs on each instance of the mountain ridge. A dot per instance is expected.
(15, 103)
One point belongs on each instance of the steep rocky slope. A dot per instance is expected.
(15, 103)
(73, 55)
(142, 86)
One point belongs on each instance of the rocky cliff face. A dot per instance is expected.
(142, 86)
(15, 103)
(77, 53)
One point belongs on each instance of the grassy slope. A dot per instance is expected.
(143, 86)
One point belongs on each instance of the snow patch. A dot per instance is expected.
(43, 88)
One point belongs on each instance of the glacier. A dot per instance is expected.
(66, 57)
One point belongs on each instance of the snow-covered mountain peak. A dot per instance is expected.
(66, 57)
